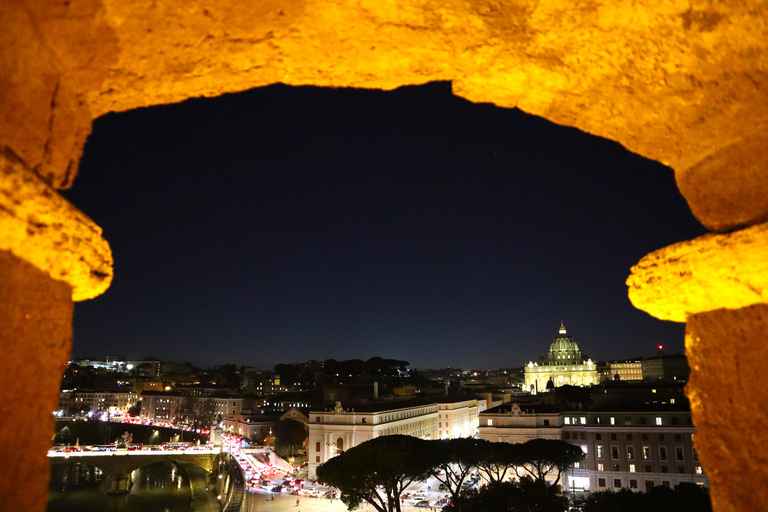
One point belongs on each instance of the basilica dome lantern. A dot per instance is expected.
(564, 350)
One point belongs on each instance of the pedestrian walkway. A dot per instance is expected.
(287, 503)
(257, 502)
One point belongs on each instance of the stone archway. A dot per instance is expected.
(679, 82)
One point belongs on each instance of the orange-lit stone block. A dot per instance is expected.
(728, 354)
(35, 342)
(39, 226)
(710, 272)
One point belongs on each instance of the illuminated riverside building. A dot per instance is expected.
(116, 402)
(564, 366)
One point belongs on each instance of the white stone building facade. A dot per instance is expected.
(331, 432)
(624, 449)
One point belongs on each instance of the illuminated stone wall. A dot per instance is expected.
(681, 82)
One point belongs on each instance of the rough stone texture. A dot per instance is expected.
(710, 272)
(35, 341)
(728, 353)
(51, 53)
(41, 227)
(741, 191)
(677, 81)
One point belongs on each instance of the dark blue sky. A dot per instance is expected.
(285, 224)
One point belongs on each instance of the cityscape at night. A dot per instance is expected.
(363, 264)
(282, 428)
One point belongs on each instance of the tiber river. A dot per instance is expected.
(160, 487)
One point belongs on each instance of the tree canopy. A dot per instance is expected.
(497, 459)
(289, 435)
(542, 456)
(685, 497)
(454, 460)
(524, 495)
(377, 471)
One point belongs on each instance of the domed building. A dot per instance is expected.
(565, 366)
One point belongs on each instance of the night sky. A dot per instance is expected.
(285, 224)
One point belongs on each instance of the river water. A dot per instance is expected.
(161, 487)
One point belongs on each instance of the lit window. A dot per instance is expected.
(584, 448)
(567, 421)
(599, 451)
(583, 420)
(631, 468)
(490, 422)
(646, 453)
(658, 420)
(613, 420)
(600, 467)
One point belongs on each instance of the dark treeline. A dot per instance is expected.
(378, 471)
(308, 374)
(394, 462)
(685, 497)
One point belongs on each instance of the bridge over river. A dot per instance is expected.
(224, 472)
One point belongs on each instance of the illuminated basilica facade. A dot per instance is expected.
(564, 366)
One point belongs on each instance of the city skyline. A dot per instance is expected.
(181, 360)
(285, 224)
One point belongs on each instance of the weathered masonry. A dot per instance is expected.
(681, 82)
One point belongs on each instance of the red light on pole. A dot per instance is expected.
(661, 347)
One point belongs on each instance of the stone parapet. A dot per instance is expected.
(727, 353)
(39, 226)
(711, 272)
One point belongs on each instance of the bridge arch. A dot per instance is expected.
(126, 464)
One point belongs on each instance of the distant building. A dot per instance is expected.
(459, 418)
(333, 431)
(564, 366)
(221, 405)
(635, 446)
(627, 371)
(258, 427)
(261, 382)
(281, 402)
(116, 402)
(161, 406)
(149, 385)
(668, 368)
